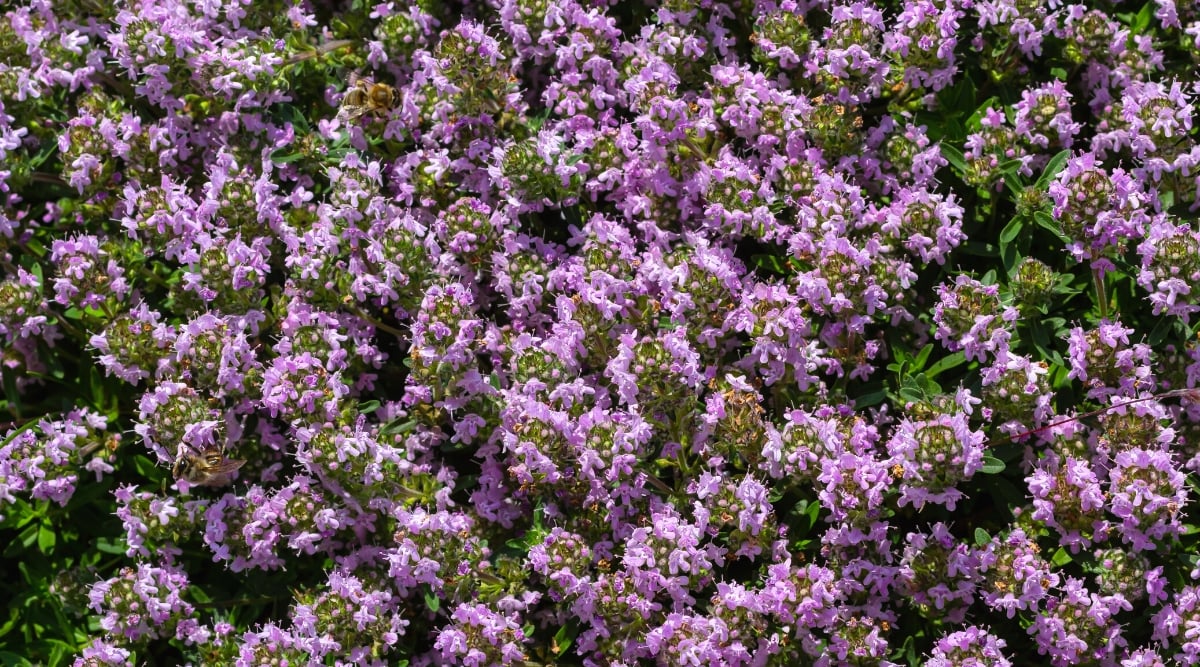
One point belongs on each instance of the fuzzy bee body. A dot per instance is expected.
(204, 468)
(367, 97)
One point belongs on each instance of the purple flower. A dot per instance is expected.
(672, 557)
(134, 344)
(22, 308)
(939, 574)
(1177, 625)
(1098, 209)
(853, 487)
(102, 652)
(1104, 359)
(932, 456)
(1016, 391)
(923, 42)
(1017, 577)
(930, 224)
(1079, 625)
(478, 636)
(87, 275)
(43, 460)
(1171, 268)
(970, 318)
(970, 647)
(142, 602)
(1147, 493)
(1044, 116)
(1068, 497)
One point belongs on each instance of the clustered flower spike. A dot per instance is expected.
(599, 333)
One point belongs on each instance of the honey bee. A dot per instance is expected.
(204, 468)
(110, 445)
(367, 97)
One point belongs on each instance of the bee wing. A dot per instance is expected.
(348, 112)
(226, 466)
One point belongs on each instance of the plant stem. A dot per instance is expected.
(1191, 395)
(1101, 292)
(319, 51)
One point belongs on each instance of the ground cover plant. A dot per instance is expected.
(585, 332)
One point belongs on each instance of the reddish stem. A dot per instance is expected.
(1192, 395)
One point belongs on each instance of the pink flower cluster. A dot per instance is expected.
(599, 333)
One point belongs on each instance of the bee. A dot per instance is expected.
(110, 444)
(204, 468)
(367, 97)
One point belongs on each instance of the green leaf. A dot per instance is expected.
(9, 625)
(1011, 231)
(944, 364)
(145, 467)
(25, 539)
(1143, 19)
(955, 157)
(9, 659)
(901, 360)
(432, 601)
(18, 431)
(981, 537)
(46, 539)
(1061, 557)
(288, 113)
(1162, 329)
(1008, 452)
(918, 388)
(109, 546)
(49, 148)
(282, 156)
(1054, 166)
(563, 639)
(870, 399)
(923, 356)
(771, 263)
(97, 387)
(1166, 199)
(1010, 169)
(803, 516)
(198, 594)
(1046, 221)
(973, 123)
(1040, 337)
(367, 407)
(1004, 493)
(59, 651)
(394, 427)
(992, 465)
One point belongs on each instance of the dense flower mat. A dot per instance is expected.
(585, 332)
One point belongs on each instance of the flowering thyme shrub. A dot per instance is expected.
(587, 332)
